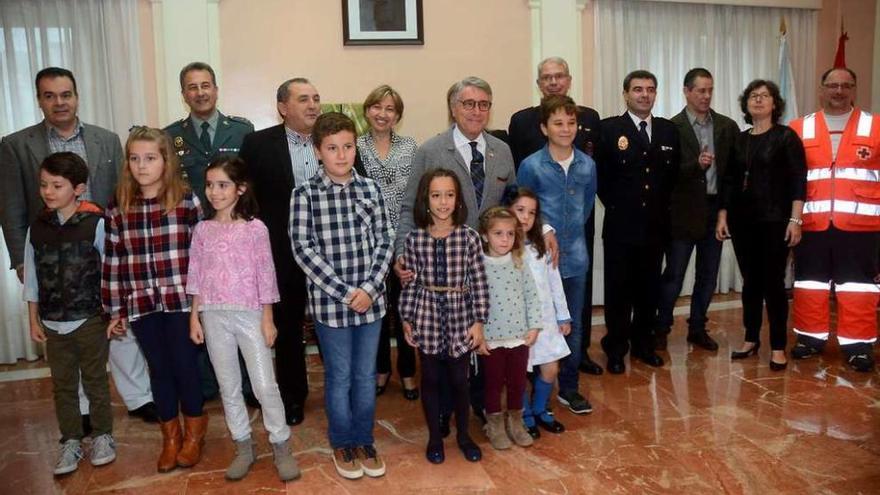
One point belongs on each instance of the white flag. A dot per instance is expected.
(786, 81)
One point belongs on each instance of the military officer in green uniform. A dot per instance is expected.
(198, 139)
(205, 133)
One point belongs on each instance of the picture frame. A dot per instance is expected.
(382, 22)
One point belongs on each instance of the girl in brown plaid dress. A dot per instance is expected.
(444, 308)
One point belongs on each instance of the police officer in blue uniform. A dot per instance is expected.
(637, 162)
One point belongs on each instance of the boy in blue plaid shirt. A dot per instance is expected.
(341, 238)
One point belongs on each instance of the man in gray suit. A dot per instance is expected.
(20, 156)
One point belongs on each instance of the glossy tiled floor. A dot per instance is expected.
(700, 424)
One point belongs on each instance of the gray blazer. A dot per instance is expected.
(20, 156)
(439, 151)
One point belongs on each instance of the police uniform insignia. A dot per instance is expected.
(178, 142)
(622, 143)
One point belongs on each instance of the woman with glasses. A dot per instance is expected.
(762, 198)
(387, 159)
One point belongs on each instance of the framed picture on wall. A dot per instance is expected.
(382, 22)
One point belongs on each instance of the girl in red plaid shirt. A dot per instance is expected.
(444, 308)
(148, 227)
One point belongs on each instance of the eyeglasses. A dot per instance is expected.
(483, 105)
(836, 86)
(553, 77)
(759, 96)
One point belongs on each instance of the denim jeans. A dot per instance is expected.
(575, 290)
(350, 381)
(678, 255)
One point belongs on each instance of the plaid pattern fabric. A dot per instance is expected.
(74, 144)
(464, 268)
(341, 238)
(146, 254)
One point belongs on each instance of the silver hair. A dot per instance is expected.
(458, 87)
(555, 60)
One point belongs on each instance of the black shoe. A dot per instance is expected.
(534, 432)
(649, 358)
(575, 402)
(380, 389)
(411, 394)
(702, 339)
(146, 412)
(435, 454)
(661, 338)
(86, 425)
(471, 451)
(863, 363)
(777, 366)
(589, 366)
(444, 425)
(551, 426)
(749, 353)
(294, 414)
(252, 402)
(802, 350)
(615, 366)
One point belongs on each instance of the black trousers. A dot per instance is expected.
(762, 254)
(406, 355)
(590, 232)
(632, 291)
(290, 357)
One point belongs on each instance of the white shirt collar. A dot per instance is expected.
(636, 119)
(462, 141)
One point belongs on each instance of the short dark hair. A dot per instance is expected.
(829, 71)
(421, 206)
(691, 77)
(638, 74)
(331, 123)
(552, 103)
(52, 73)
(68, 165)
(773, 89)
(197, 66)
(283, 92)
(246, 208)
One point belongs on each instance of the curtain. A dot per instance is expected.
(736, 44)
(98, 41)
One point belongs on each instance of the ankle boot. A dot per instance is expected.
(193, 438)
(516, 430)
(171, 441)
(495, 431)
(244, 459)
(285, 464)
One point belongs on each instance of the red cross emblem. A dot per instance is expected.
(864, 153)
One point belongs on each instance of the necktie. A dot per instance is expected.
(478, 175)
(205, 138)
(643, 131)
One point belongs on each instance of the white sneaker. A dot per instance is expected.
(103, 450)
(68, 459)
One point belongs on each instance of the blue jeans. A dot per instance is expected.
(350, 381)
(678, 255)
(575, 289)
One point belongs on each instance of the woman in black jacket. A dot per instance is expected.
(762, 198)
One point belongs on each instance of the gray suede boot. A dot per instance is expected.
(285, 464)
(494, 429)
(244, 459)
(516, 430)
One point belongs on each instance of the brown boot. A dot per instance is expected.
(193, 437)
(170, 445)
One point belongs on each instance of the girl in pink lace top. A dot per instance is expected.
(232, 280)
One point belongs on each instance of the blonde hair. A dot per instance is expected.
(173, 188)
(501, 214)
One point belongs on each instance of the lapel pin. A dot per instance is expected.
(622, 143)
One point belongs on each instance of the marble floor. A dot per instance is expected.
(700, 424)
